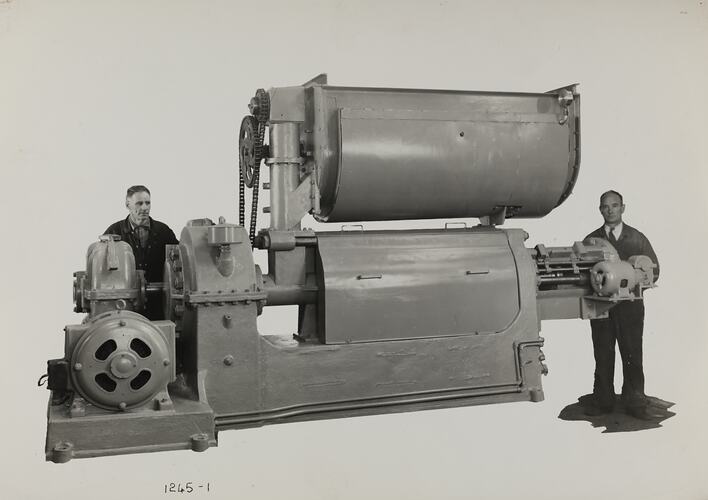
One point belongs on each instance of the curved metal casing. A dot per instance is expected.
(111, 281)
(375, 284)
(389, 154)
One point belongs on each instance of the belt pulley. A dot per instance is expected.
(251, 152)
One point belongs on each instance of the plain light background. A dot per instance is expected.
(96, 96)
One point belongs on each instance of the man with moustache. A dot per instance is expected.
(625, 323)
(147, 237)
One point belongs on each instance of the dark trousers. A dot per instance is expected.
(624, 327)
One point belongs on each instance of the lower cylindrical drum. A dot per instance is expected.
(395, 285)
(387, 154)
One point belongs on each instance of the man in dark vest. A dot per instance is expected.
(147, 237)
(625, 323)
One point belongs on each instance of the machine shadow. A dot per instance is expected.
(619, 420)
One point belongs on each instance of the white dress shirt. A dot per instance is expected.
(617, 230)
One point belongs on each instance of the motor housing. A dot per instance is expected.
(119, 360)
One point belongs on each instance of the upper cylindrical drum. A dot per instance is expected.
(391, 154)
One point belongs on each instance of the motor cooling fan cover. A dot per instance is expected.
(121, 362)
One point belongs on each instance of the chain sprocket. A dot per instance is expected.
(260, 106)
(248, 149)
(251, 153)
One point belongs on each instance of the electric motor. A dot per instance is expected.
(619, 278)
(120, 360)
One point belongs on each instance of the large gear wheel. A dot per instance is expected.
(248, 149)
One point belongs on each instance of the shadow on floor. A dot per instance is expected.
(619, 420)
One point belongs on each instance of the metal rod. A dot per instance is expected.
(305, 241)
(563, 279)
(284, 295)
(155, 286)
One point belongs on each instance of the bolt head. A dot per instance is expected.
(229, 360)
(122, 405)
(166, 362)
(78, 367)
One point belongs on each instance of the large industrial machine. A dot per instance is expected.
(389, 320)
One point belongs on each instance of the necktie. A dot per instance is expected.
(613, 240)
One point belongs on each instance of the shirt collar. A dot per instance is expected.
(133, 226)
(617, 230)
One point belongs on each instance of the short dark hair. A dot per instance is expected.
(611, 191)
(136, 189)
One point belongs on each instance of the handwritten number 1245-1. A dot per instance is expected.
(188, 487)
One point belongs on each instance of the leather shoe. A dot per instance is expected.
(639, 413)
(596, 411)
